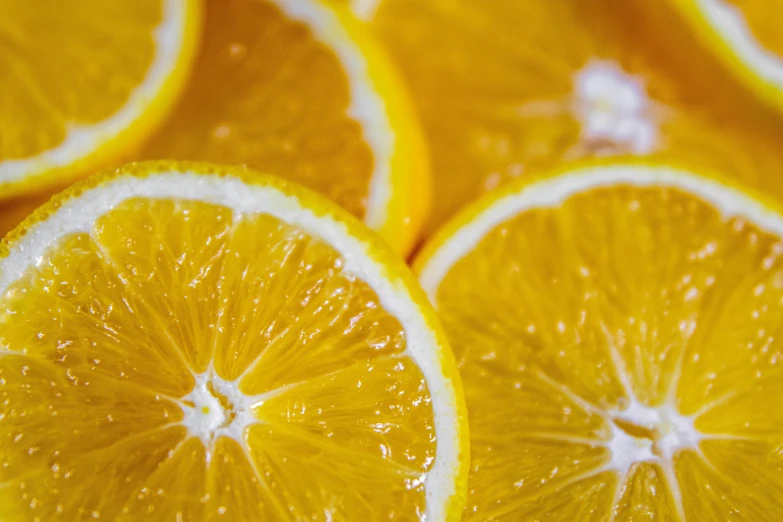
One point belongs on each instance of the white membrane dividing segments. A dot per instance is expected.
(553, 191)
(628, 450)
(78, 215)
(82, 140)
(367, 106)
(730, 25)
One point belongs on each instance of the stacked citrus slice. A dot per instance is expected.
(509, 88)
(83, 82)
(185, 342)
(746, 35)
(296, 88)
(617, 329)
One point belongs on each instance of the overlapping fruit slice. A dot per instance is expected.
(746, 36)
(83, 82)
(617, 328)
(297, 89)
(184, 342)
(508, 88)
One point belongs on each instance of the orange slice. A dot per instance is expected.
(617, 329)
(297, 89)
(189, 342)
(745, 35)
(83, 82)
(508, 88)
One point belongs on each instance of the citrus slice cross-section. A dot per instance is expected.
(187, 342)
(297, 89)
(84, 82)
(746, 36)
(505, 89)
(617, 330)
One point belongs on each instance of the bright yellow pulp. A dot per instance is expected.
(45, 93)
(106, 337)
(570, 321)
(507, 88)
(70, 67)
(268, 94)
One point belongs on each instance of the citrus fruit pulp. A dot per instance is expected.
(616, 329)
(189, 342)
(298, 89)
(84, 82)
(504, 89)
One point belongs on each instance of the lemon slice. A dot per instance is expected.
(298, 89)
(745, 35)
(617, 330)
(507, 88)
(188, 342)
(82, 83)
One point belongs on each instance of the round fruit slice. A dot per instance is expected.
(617, 328)
(188, 342)
(508, 88)
(297, 89)
(746, 36)
(83, 82)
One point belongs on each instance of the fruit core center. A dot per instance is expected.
(614, 109)
(215, 407)
(644, 434)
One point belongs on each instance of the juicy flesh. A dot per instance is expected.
(760, 17)
(508, 88)
(179, 362)
(54, 81)
(621, 361)
(265, 93)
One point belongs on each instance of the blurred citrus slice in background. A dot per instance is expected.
(83, 82)
(508, 88)
(746, 36)
(617, 329)
(190, 342)
(14, 211)
(298, 89)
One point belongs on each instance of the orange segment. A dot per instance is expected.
(619, 323)
(307, 287)
(199, 356)
(298, 90)
(168, 256)
(312, 472)
(73, 310)
(60, 115)
(318, 407)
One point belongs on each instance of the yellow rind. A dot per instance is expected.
(469, 213)
(410, 184)
(727, 56)
(394, 268)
